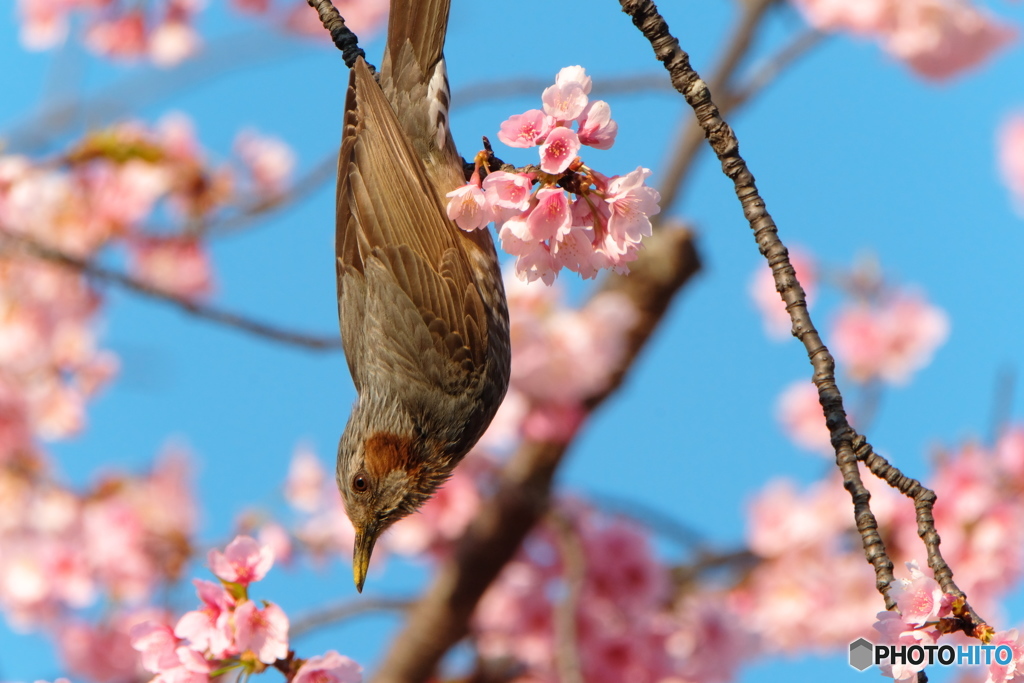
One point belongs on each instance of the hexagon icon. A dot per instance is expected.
(861, 654)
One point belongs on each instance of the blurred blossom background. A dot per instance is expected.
(700, 522)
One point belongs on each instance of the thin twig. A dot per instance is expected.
(924, 503)
(342, 35)
(722, 139)
(771, 68)
(236, 321)
(333, 614)
(689, 137)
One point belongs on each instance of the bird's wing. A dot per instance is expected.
(394, 241)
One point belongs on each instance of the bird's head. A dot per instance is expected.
(383, 476)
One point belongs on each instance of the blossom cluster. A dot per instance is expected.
(938, 39)
(600, 574)
(62, 551)
(105, 191)
(545, 229)
(164, 31)
(230, 631)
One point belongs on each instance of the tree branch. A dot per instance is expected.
(722, 139)
(92, 270)
(333, 614)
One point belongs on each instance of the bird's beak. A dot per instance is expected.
(365, 538)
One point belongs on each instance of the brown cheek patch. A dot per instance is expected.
(386, 452)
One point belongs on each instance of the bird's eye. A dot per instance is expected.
(360, 484)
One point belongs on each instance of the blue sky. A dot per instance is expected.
(852, 153)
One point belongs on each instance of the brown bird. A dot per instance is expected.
(424, 321)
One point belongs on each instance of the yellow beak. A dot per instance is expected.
(365, 538)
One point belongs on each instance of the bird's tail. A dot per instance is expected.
(423, 25)
(414, 79)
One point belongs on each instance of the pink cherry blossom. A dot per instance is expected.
(120, 37)
(262, 631)
(469, 207)
(1010, 145)
(550, 217)
(527, 129)
(253, 6)
(895, 631)
(889, 341)
(800, 414)
(329, 667)
(939, 39)
(103, 651)
(553, 422)
(577, 75)
(575, 251)
(304, 485)
(208, 628)
(621, 564)
(44, 24)
(783, 520)
(157, 643)
(632, 203)
(865, 17)
(268, 160)
(564, 101)
(179, 265)
(508, 193)
(277, 538)
(596, 127)
(559, 150)
(243, 561)
(919, 597)
(777, 323)
(533, 256)
(1012, 670)
(172, 42)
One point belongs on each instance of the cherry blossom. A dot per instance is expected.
(268, 161)
(304, 486)
(1010, 143)
(547, 229)
(919, 598)
(329, 667)
(938, 39)
(469, 207)
(558, 150)
(208, 628)
(242, 562)
(527, 129)
(173, 264)
(262, 631)
(890, 340)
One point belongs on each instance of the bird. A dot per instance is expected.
(421, 305)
